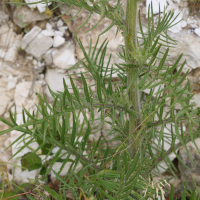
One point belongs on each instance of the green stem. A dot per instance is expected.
(130, 40)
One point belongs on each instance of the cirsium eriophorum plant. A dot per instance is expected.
(124, 172)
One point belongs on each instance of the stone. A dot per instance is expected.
(24, 16)
(12, 53)
(21, 93)
(11, 83)
(42, 6)
(4, 99)
(29, 57)
(32, 6)
(193, 170)
(188, 44)
(197, 31)
(65, 57)
(2, 138)
(7, 39)
(48, 57)
(4, 29)
(48, 32)
(161, 86)
(3, 17)
(56, 167)
(185, 12)
(196, 98)
(36, 49)
(192, 22)
(30, 36)
(63, 29)
(167, 146)
(183, 23)
(178, 27)
(48, 26)
(2, 53)
(59, 33)
(156, 3)
(113, 44)
(59, 23)
(58, 41)
(26, 94)
(55, 81)
(7, 142)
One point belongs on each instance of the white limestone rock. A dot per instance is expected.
(55, 81)
(30, 36)
(42, 6)
(63, 29)
(58, 41)
(197, 31)
(196, 98)
(49, 33)
(25, 94)
(39, 45)
(5, 100)
(185, 12)
(32, 6)
(3, 17)
(56, 167)
(183, 24)
(65, 57)
(11, 82)
(156, 3)
(4, 29)
(8, 38)
(188, 44)
(11, 85)
(2, 53)
(48, 26)
(59, 33)
(192, 22)
(23, 88)
(12, 53)
(22, 176)
(178, 27)
(29, 57)
(167, 146)
(59, 23)
(27, 16)
(161, 86)
(48, 56)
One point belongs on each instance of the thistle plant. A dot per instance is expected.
(125, 171)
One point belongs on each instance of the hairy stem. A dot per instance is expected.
(130, 40)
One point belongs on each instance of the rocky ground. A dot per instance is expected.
(38, 48)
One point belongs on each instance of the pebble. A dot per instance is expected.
(183, 23)
(63, 28)
(197, 31)
(59, 23)
(59, 33)
(48, 26)
(58, 41)
(48, 32)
